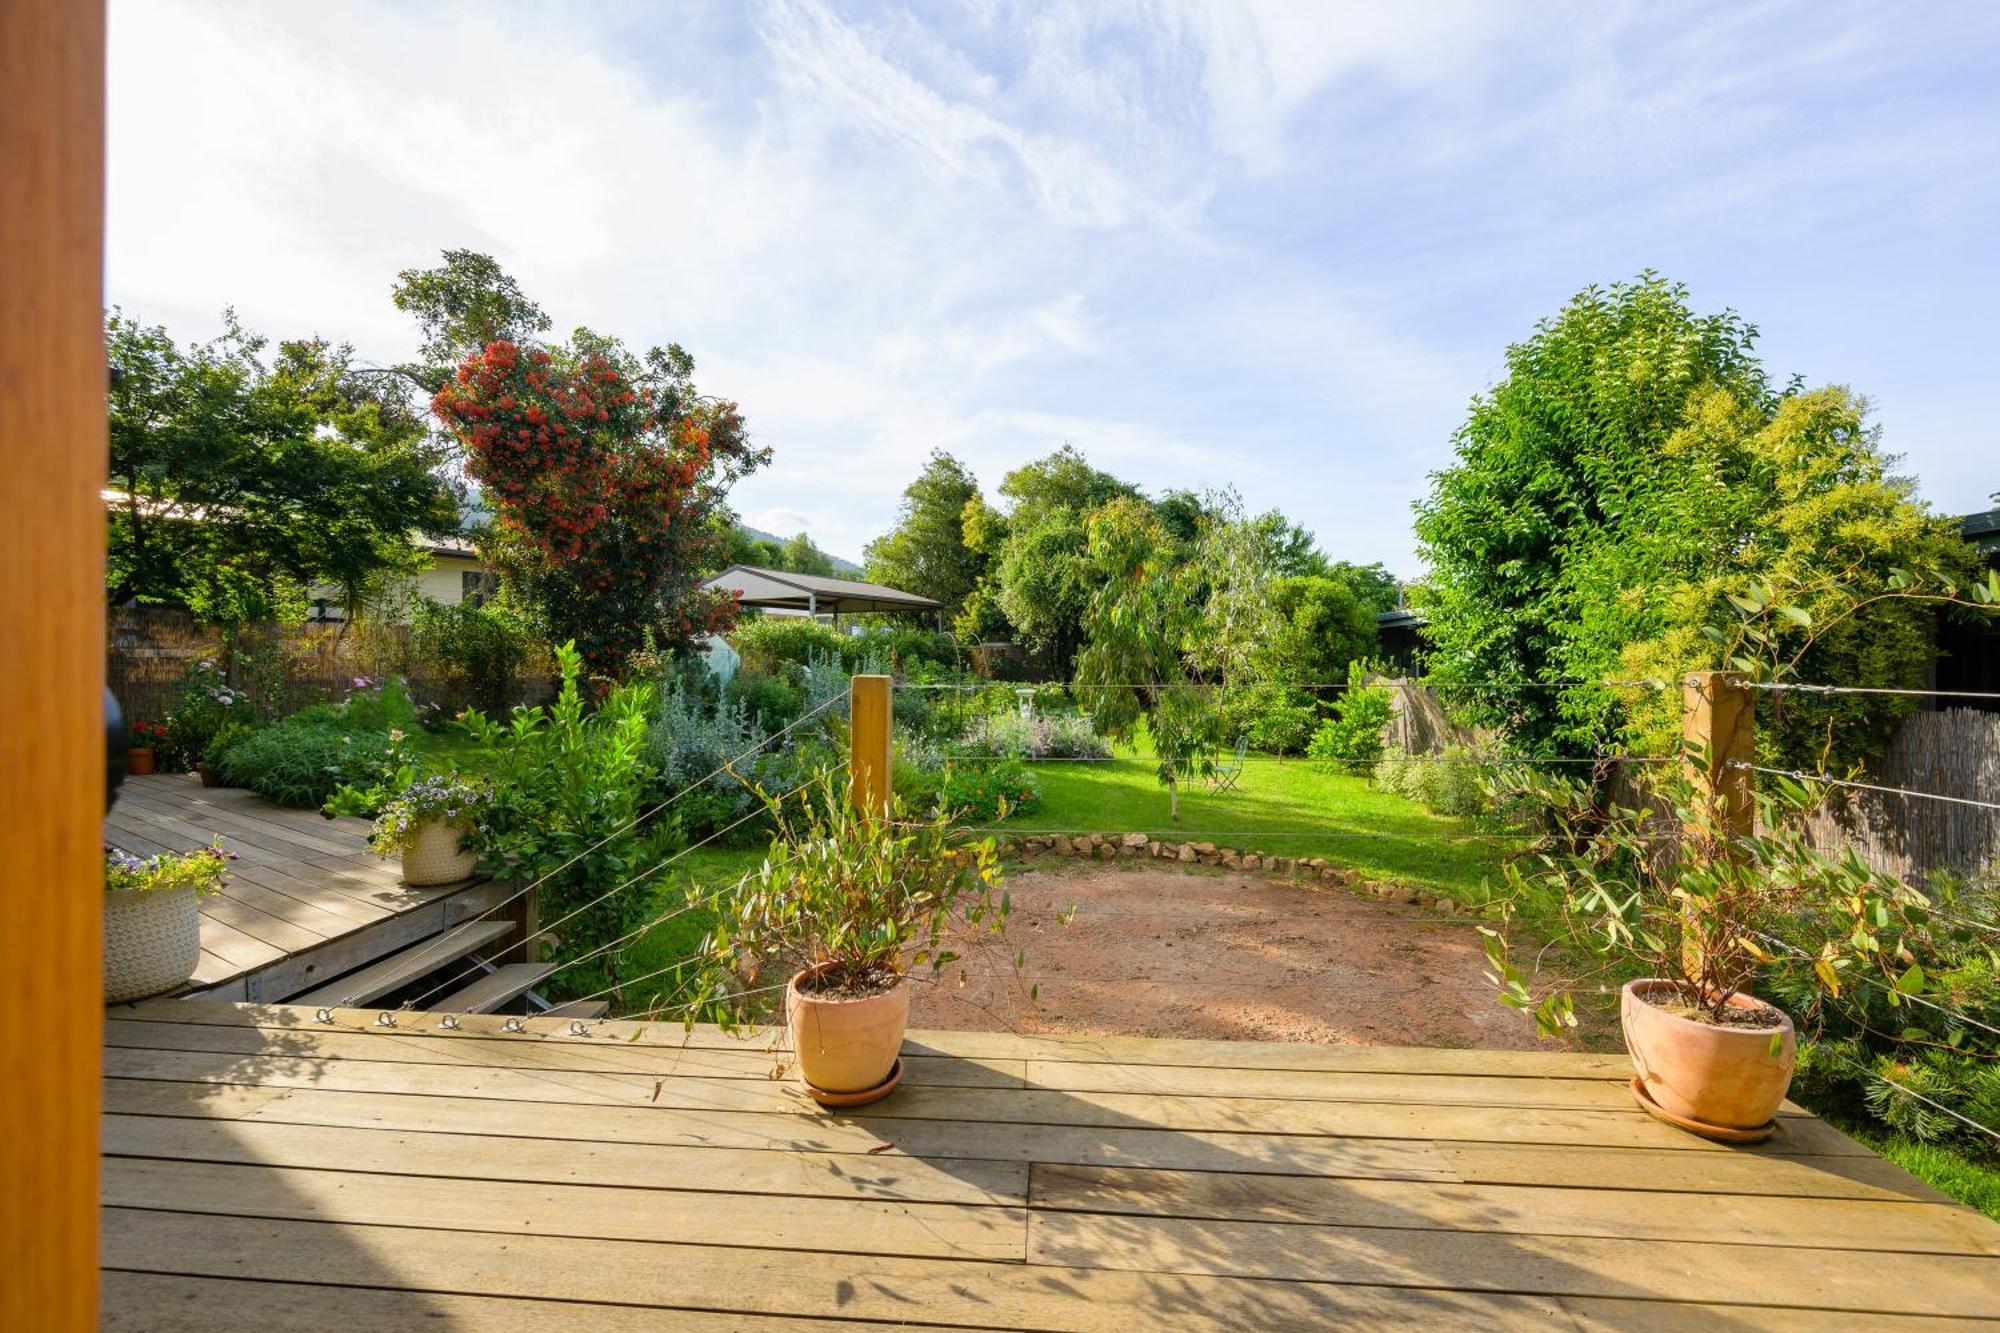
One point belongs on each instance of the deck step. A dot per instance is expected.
(495, 989)
(579, 1009)
(406, 965)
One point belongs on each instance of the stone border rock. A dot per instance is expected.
(1140, 846)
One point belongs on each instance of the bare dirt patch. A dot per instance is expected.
(1155, 952)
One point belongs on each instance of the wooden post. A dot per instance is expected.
(52, 469)
(1719, 726)
(870, 765)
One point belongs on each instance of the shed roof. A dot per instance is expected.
(782, 589)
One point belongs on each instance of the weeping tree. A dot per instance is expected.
(1135, 666)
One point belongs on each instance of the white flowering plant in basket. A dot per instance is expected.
(453, 802)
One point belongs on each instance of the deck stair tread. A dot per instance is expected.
(406, 965)
(495, 989)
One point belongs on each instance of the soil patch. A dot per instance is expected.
(1156, 952)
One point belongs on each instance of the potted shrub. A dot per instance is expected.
(1700, 917)
(141, 755)
(152, 931)
(209, 767)
(840, 919)
(436, 825)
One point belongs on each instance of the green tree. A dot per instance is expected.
(1140, 620)
(927, 552)
(1633, 469)
(799, 555)
(460, 306)
(1042, 572)
(1321, 626)
(1378, 589)
(1046, 579)
(244, 483)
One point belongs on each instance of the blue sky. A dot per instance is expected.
(1270, 245)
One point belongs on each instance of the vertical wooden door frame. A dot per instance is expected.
(52, 467)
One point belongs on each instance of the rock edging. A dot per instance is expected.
(1140, 846)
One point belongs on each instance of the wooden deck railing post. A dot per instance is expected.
(52, 770)
(1718, 725)
(870, 764)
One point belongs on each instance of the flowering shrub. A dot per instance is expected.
(434, 800)
(206, 702)
(603, 480)
(981, 792)
(145, 735)
(1042, 736)
(200, 870)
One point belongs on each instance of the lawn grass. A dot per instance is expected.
(679, 936)
(1973, 1180)
(1290, 807)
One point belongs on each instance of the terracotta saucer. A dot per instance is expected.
(862, 1098)
(1720, 1133)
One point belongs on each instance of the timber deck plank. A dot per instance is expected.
(302, 884)
(268, 1169)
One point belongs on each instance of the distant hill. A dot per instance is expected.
(758, 534)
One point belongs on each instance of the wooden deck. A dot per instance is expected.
(306, 900)
(265, 1170)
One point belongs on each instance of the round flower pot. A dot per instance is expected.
(846, 1045)
(152, 941)
(431, 855)
(1709, 1075)
(139, 761)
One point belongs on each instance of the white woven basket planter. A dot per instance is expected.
(431, 856)
(152, 942)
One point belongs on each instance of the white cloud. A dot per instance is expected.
(1263, 242)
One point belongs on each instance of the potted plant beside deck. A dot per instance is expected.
(152, 930)
(142, 756)
(1701, 915)
(437, 825)
(845, 914)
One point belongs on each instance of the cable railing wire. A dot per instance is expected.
(1802, 687)
(549, 929)
(726, 766)
(1862, 786)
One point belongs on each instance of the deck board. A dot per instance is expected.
(266, 1169)
(302, 883)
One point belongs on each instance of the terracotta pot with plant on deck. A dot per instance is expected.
(847, 1027)
(1726, 1072)
(856, 915)
(140, 758)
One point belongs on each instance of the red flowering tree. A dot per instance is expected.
(604, 475)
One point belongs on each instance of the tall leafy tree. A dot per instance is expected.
(460, 306)
(243, 482)
(1135, 668)
(1546, 465)
(1042, 573)
(927, 552)
(1632, 472)
(606, 472)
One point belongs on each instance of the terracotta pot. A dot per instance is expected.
(431, 856)
(846, 1045)
(208, 776)
(1723, 1076)
(139, 761)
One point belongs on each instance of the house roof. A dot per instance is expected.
(1982, 530)
(781, 589)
